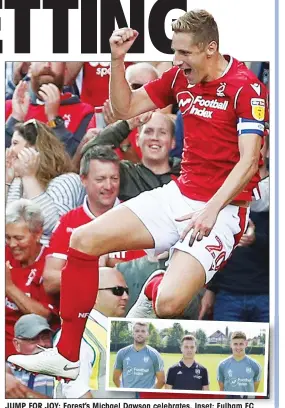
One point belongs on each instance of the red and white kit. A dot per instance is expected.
(29, 281)
(95, 82)
(215, 114)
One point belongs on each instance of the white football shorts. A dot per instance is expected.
(159, 208)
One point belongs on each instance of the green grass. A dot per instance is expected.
(210, 361)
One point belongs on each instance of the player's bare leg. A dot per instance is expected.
(183, 279)
(118, 229)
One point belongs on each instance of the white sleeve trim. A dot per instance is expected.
(236, 97)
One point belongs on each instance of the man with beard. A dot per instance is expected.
(43, 100)
(139, 365)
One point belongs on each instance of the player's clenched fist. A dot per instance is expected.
(121, 41)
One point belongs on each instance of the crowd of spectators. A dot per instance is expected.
(69, 161)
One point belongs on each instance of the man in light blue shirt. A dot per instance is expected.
(139, 365)
(239, 373)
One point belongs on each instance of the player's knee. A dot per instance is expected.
(82, 241)
(167, 307)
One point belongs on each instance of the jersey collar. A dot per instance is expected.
(87, 210)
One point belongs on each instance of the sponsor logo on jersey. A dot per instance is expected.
(69, 229)
(220, 90)
(233, 382)
(198, 105)
(103, 68)
(129, 371)
(179, 372)
(83, 315)
(258, 108)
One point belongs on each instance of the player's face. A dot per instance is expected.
(188, 349)
(46, 73)
(156, 139)
(22, 242)
(238, 347)
(140, 334)
(30, 346)
(102, 184)
(190, 58)
(108, 303)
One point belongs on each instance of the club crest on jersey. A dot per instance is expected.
(248, 370)
(67, 119)
(220, 90)
(145, 359)
(258, 108)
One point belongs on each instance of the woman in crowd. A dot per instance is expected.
(25, 257)
(38, 168)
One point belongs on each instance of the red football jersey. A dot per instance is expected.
(215, 114)
(72, 113)
(95, 82)
(29, 281)
(59, 242)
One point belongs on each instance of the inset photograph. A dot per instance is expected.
(214, 357)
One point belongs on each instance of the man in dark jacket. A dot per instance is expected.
(156, 139)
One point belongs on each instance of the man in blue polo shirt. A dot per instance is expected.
(239, 372)
(187, 374)
(139, 365)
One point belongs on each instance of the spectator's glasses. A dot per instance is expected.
(32, 122)
(135, 86)
(117, 290)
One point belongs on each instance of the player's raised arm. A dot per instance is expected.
(125, 102)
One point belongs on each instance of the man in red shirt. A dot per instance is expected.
(100, 175)
(201, 216)
(94, 82)
(44, 101)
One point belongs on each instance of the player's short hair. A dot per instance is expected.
(189, 337)
(238, 335)
(201, 24)
(26, 210)
(98, 152)
(141, 324)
